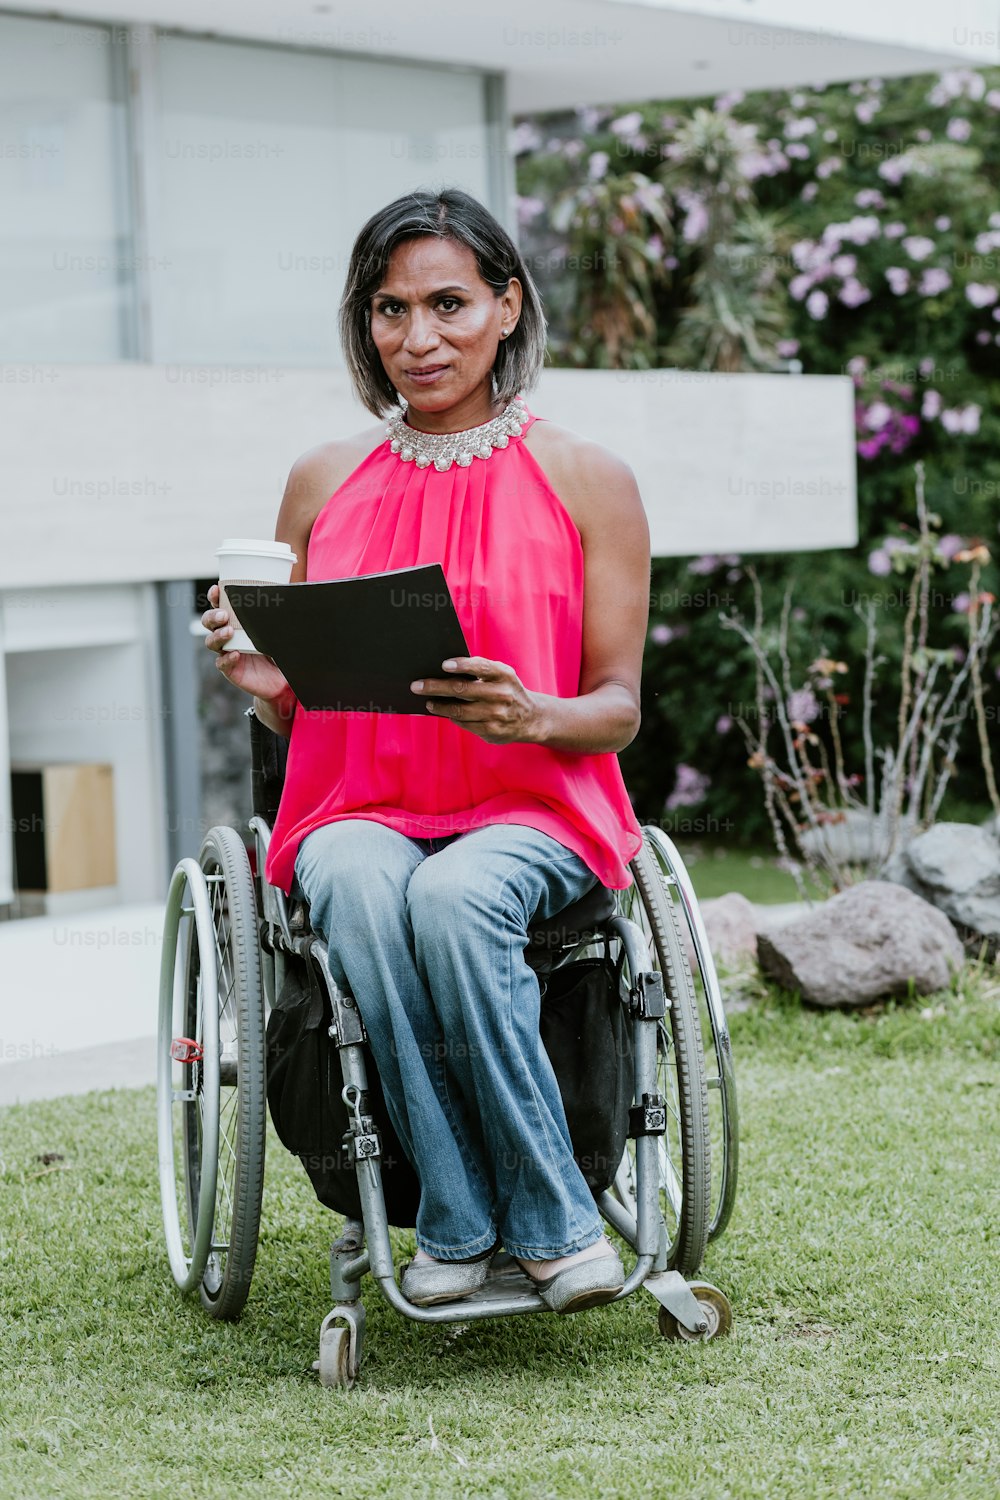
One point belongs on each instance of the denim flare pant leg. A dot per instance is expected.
(429, 935)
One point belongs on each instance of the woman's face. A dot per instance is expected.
(437, 324)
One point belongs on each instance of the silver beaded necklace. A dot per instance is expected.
(442, 449)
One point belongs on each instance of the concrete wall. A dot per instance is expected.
(127, 473)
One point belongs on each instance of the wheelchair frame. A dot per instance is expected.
(212, 969)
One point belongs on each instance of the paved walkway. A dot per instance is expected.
(78, 1001)
(79, 995)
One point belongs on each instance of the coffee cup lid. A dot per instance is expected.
(256, 547)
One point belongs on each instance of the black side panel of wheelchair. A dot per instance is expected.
(587, 1034)
(585, 1031)
(304, 1081)
(268, 755)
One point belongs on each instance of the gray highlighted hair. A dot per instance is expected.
(448, 214)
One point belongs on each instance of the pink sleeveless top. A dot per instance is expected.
(513, 559)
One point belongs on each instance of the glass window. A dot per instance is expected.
(66, 273)
(269, 162)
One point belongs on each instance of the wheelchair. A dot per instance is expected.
(229, 939)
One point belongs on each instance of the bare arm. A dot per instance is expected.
(312, 480)
(604, 715)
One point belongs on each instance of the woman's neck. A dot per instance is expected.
(472, 411)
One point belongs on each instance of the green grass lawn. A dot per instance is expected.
(717, 869)
(861, 1262)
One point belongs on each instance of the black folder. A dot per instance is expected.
(356, 644)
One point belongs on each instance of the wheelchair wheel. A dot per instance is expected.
(211, 1100)
(723, 1107)
(684, 1150)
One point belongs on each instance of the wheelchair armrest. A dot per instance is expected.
(268, 760)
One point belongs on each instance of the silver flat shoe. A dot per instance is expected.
(586, 1285)
(447, 1281)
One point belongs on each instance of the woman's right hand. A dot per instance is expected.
(254, 674)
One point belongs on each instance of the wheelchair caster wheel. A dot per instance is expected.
(716, 1310)
(334, 1366)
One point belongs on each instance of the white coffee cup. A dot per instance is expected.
(247, 560)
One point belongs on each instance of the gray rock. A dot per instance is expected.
(731, 924)
(852, 840)
(857, 839)
(872, 940)
(956, 867)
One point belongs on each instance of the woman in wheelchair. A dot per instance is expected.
(426, 843)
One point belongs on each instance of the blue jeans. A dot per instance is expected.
(429, 935)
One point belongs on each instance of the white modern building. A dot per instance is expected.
(180, 184)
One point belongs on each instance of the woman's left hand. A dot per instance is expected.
(497, 706)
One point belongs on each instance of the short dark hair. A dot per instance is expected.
(448, 214)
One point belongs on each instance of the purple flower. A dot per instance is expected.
(960, 604)
(598, 165)
(894, 169)
(696, 221)
(525, 137)
(942, 223)
(980, 294)
(932, 405)
(877, 415)
(898, 278)
(809, 191)
(871, 447)
(860, 230)
(918, 246)
(528, 209)
(796, 129)
(690, 787)
(852, 293)
(787, 348)
(723, 724)
(798, 150)
(958, 129)
(961, 419)
(828, 166)
(817, 304)
(626, 125)
(844, 265)
(934, 281)
(869, 198)
(662, 635)
(984, 337)
(803, 706)
(894, 230)
(948, 545)
(879, 561)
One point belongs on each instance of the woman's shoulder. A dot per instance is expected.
(335, 459)
(580, 471)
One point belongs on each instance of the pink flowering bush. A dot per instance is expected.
(863, 225)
